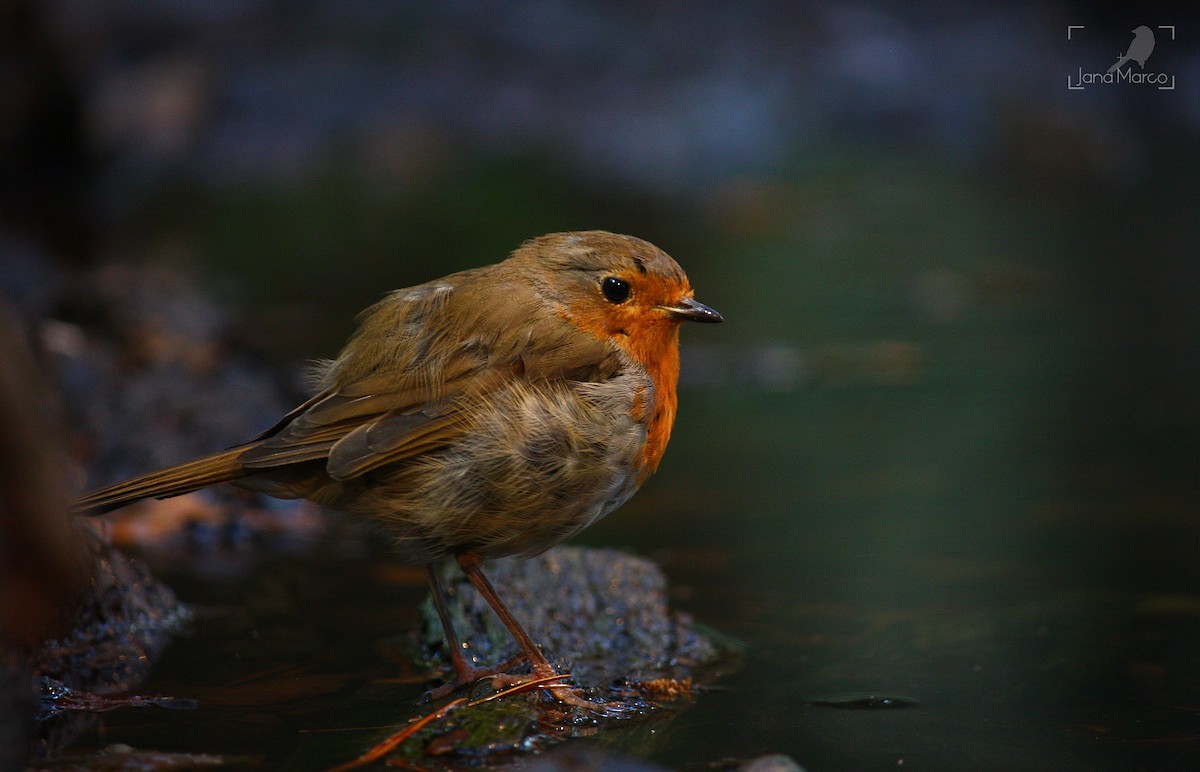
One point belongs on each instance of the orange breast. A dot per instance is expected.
(658, 352)
(652, 341)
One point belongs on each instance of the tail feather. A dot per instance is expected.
(172, 481)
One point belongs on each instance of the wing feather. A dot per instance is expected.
(423, 397)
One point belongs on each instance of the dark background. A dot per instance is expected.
(946, 445)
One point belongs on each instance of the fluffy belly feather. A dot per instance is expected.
(540, 463)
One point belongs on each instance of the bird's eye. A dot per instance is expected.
(616, 290)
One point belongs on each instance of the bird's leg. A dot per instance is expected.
(470, 564)
(464, 672)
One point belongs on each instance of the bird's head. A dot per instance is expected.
(619, 288)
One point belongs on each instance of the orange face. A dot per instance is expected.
(621, 289)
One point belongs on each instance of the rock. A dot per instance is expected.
(600, 614)
(121, 626)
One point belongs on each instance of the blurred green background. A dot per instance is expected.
(945, 447)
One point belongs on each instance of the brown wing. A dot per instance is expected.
(439, 349)
(355, 433)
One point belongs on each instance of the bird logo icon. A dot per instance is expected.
(1139, 49)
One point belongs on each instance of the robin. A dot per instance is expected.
(496, 411)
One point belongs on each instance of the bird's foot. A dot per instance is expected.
(466, 675)
(544, 677)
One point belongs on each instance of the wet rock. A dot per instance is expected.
(600, 614)
(122, 624)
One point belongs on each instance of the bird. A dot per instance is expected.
(494, 412)
(1139, 49)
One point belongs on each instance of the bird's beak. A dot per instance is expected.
(690, 310)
